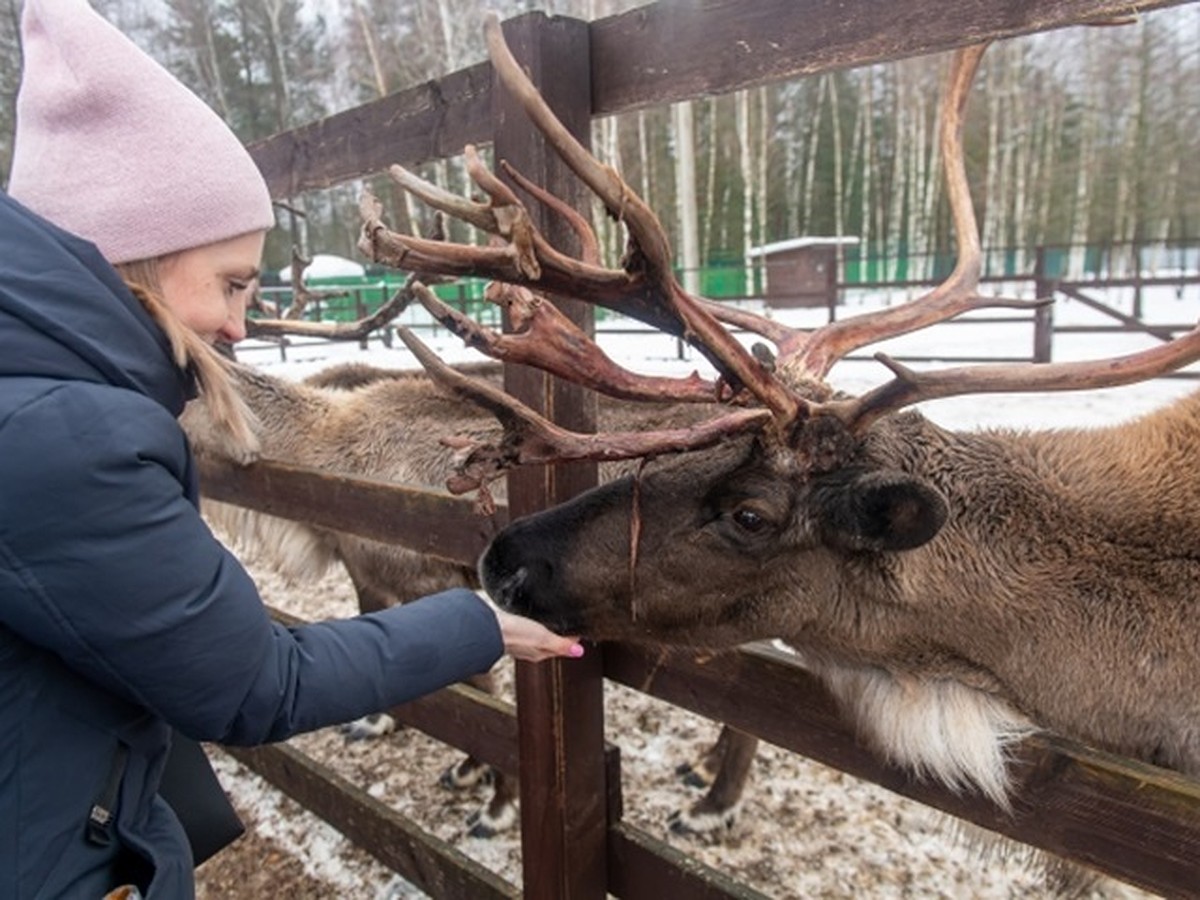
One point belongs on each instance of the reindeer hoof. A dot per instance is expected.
(695, 775)
(487, 822)
(691, 777)
(368, 727)
(478, 828)
(466, 774)
(702, 823)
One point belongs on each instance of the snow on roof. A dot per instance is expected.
(326, 265)
(797, 243)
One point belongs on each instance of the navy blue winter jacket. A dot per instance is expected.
(120, 614)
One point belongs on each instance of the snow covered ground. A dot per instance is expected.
(805, 831)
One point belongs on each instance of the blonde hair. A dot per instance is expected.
(229, 412)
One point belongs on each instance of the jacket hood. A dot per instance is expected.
(66, 314)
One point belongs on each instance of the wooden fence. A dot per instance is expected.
(1133, 821)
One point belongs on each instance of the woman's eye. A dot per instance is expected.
(749, 520)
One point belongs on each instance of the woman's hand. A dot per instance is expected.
(533, 642)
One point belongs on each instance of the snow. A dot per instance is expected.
(805, 830)
(326, 265)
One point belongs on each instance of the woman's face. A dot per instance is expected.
(208, 287)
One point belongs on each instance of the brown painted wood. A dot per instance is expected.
(421, 519)
(1135, 822)
(660, 53)
(564, 804)
(641, 867)
(470, 720)
(651, 55)
(396, 841)
(433, 120)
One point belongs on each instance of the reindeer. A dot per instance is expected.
(385, 424)
(955, 591)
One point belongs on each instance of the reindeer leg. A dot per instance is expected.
(703, 772)
(716, 811)
(500, 812)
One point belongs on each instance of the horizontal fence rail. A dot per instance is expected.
(1133, 821)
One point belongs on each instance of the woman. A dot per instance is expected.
(129, 242)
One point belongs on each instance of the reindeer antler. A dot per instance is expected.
(956, 295)
(530, 438)
(543, 337)
(646, 289)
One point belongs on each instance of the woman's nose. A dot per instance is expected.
(234, 329)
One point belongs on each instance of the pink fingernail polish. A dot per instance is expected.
(576, 650)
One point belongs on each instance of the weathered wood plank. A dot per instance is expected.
(433, 120)
(650, 56)
(396, 841)
(1135, 822)
(641, 867)
(564, 790)
(425, 520)
(474, 722)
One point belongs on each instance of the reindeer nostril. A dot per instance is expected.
(506, 591)
(517, 578)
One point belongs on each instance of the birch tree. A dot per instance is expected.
(10, 48)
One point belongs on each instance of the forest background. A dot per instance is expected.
(1084, 138)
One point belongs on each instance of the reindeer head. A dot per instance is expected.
(791, 491)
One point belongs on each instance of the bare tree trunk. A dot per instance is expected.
(710, 178)
(917, 152)
(643, 136)
(746, 165)
(607, 138)
(811, 163)
(368, 35)
(764, 164)
(1047, 153)
(1081, 209)
(991, 182)
(683, 119)
(866, 118)
(901, 129)
(1024, 160)
(839, 179)
(931, 181)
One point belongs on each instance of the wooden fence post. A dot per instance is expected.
(1043, 317)
(559, 703)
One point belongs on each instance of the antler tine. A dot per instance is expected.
(336, 331)
(603, 180)
(543, 337)
(958, 293)
(478, 214)
(589, 245)
(787, 340)
(909, 387)
(531, 439)
(644, 230)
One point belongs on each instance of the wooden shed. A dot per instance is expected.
(801, 271)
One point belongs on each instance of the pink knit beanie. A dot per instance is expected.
(110, 146)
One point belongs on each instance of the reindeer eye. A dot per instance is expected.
(749, 520)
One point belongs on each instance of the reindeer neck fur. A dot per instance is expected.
(1063, 592)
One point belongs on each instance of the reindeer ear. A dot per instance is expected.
(877, 510)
